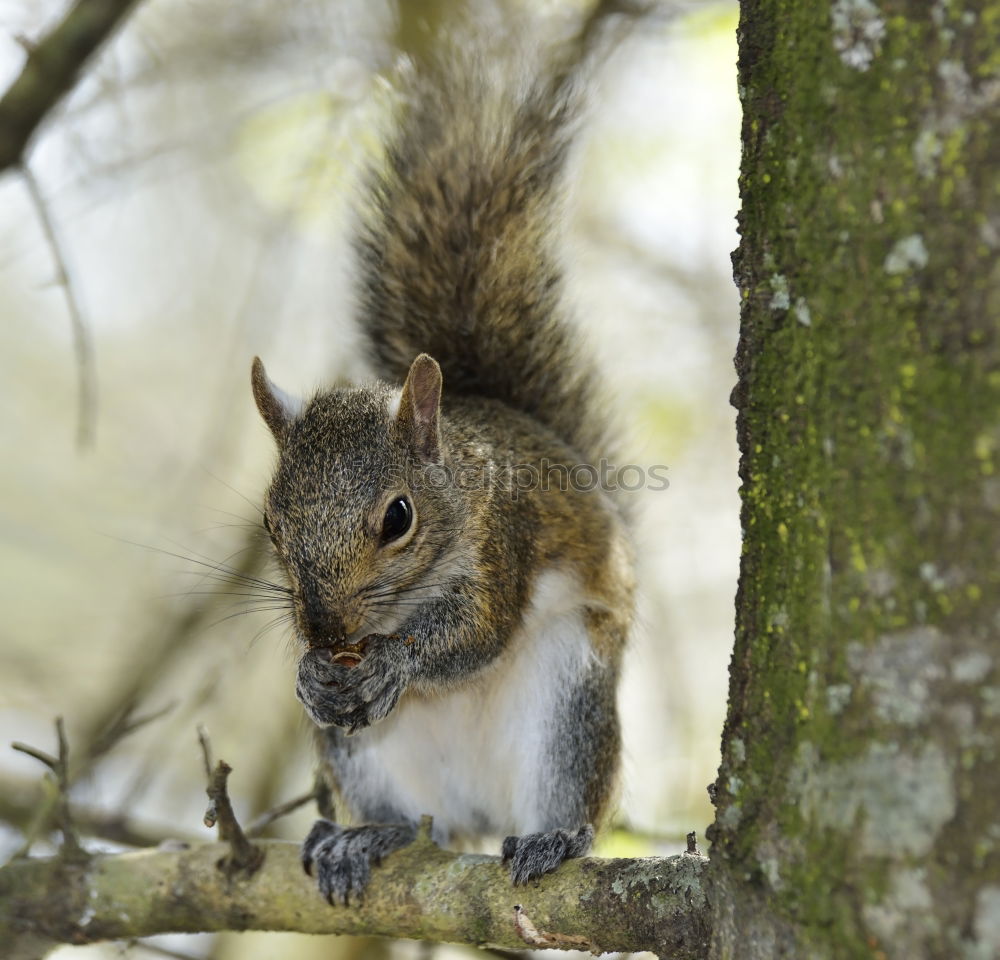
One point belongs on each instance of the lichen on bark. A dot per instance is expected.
(860, 747)
(421, 892)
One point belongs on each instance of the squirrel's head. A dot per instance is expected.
(356, 518)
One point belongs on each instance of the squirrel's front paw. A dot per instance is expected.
(534, 854)
(353, 696)
(341, 858)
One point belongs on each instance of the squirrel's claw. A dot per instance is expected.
(322, 830)
(342, 857)
(535, 854)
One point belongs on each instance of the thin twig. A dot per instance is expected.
(324, 797)
(261, 823)
(211, 814)
(40, 755)
(121, 727)
(51, 70)
(206, 750)
(59, 769)
(692, 844)
(71, 847)
(244, 857)
(83, 344)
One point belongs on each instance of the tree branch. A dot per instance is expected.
(244, 857)
(51, 70)
(83, 341)
(258, 825)
(35, 821)
(59, 768)
(420, 892)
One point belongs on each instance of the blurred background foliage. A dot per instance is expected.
(199, 181)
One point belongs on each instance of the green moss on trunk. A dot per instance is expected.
(855, 805)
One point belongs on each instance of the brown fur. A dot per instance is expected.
(457, 246)
(457, 262)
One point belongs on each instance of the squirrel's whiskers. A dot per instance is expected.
(442, 624)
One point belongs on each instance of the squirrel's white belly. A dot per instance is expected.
(474, 758)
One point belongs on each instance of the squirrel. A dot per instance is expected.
(461, 605)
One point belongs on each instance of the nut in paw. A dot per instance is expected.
(356, 691)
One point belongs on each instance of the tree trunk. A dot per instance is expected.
(857, 811)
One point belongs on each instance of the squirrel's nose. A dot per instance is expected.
(323, 626)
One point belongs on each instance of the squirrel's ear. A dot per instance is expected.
(276, 407)
(419, 414)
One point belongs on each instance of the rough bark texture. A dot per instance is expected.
(856, 810)
(421, 892)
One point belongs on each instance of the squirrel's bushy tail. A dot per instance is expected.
(457, 247)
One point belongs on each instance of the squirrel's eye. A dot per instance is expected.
(398, 517)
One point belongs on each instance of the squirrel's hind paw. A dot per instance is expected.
(341, 858)
(534, 854)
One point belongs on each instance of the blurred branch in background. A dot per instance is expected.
(59, 769)
(83, 343)
(24, 809)
(53, 810)
(168, 642)
(19, 804)
(116, 718)
(51, 69)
